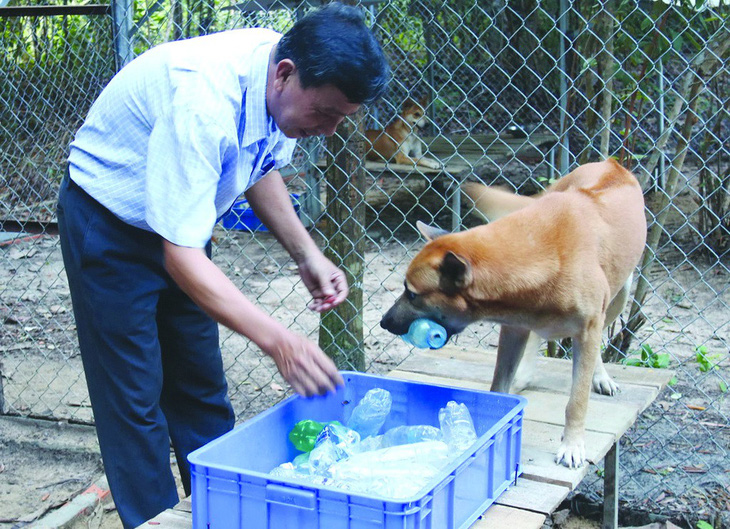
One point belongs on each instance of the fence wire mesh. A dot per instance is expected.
(515, 93)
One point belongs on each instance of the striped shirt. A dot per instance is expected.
(180, 132)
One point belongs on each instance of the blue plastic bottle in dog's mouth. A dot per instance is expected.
(425, 334)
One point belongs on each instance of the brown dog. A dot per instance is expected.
(399, 141)
(553, 266)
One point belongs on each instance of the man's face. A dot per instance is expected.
(306, 112)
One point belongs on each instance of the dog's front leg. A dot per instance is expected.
(420, 159)
(586, 348)
(512, 344)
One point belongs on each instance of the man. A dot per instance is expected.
(166, 149)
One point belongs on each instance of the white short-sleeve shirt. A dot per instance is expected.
(180, 132)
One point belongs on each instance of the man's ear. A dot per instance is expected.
(430, 232)
(455, 273)
(285, 70)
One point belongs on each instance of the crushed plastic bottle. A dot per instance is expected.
(457, 426)
(425, 334)
(340, 435)
(301, 463)
(397, 471)
(368, 445)
(370, 413)
(323, 456)
(401, 435)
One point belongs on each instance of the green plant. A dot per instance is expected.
(545, 181)
(703, 525)
(646, 357)
(706, 361)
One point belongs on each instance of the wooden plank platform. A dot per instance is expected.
(461, 156)
(543, 484)
(461, 153)
(608, 419)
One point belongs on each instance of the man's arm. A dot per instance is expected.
(270, 200)
(301, 362)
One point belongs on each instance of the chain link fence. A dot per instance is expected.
(516, 93)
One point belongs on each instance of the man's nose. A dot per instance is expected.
(329, 129)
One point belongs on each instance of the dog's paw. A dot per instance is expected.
(430, 163)
(603, 384)
(571, 454)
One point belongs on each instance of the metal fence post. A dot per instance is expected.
(122, 18)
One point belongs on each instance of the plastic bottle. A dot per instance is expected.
(398, 470)
(370, 413)
(304, 433)
(323, 456)
(342, 436)
(401, 435)
(368, 445)
(426, 334)
(457, 426)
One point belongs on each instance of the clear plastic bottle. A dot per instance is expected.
(342, 436)
(370, 413)
(457, 426)
(426, 334)
(323, 456)
(401, 435)
(368, 445)
(397, 470)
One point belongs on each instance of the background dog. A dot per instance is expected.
(399, 140)
(552, 266)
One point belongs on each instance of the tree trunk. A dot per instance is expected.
(341, 330)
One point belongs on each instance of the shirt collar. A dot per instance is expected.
(259, 123)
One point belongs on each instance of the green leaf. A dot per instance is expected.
(704, 525)
(673, 382)
(723, 386)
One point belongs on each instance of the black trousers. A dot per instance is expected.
(151, 356)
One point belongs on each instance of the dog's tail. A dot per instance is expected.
(493, 202)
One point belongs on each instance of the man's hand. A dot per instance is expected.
(303, 364)
(325, 281)
(270, 201)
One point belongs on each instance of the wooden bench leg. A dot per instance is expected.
(610, 489)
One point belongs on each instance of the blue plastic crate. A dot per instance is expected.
(231, 487)
(242, 217)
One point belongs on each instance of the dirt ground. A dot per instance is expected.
(674, 459)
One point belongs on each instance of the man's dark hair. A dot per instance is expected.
(332, 45)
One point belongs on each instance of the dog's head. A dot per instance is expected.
(413, 112)
(436, 286)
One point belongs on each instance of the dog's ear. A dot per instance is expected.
(423, 101)
(408, 103)
(455, 273)
(430, 232)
